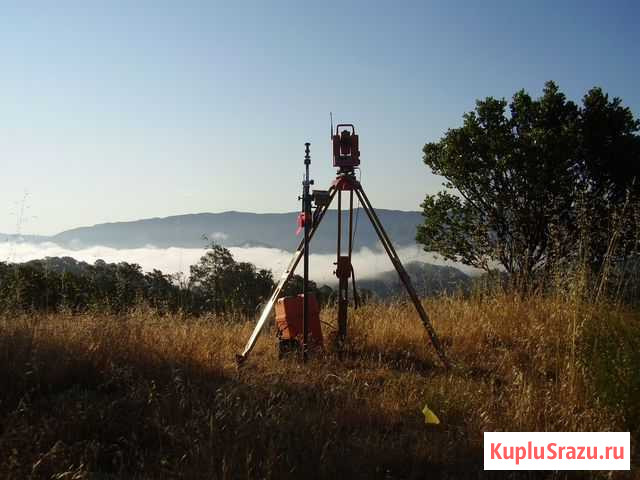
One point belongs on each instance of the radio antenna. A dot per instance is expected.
(331, 117)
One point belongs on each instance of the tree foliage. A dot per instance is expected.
(218, 284)
(64, 283)
(516, 174)
(227, 285)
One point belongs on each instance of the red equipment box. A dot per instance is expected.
(289, 319)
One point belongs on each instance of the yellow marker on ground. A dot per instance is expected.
(429, 416)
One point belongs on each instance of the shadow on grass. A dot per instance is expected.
(401, 361)
(68, 409)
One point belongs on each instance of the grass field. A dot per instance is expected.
(144, 396)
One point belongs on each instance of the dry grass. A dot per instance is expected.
(144, 396)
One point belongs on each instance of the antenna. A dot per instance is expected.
(331, 117)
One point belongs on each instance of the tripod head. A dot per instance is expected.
(346, 155)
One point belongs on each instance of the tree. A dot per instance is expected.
(609, 166)
(226, 285)
(295, 286)
(512, 178)
(609, 150)
(160, 291)
(210, 277)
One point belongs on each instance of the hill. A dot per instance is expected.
(276, 230)
(427, 279)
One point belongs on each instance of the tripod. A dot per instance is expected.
(345, 181)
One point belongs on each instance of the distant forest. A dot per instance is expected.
(217, 284)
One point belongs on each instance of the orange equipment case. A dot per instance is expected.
(289, 319)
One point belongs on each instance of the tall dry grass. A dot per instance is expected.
(144, 396)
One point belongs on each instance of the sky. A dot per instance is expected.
(113, 111)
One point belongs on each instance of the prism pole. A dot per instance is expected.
(306, 206)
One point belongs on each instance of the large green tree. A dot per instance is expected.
(514, 172)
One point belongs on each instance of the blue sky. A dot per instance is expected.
(122, 110)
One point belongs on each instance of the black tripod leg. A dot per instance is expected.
(286, 275)
(402, 273)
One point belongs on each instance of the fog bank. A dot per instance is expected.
(367, 262)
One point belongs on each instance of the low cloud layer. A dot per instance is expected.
(367, 263)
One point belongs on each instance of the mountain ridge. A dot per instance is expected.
(231, 228)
